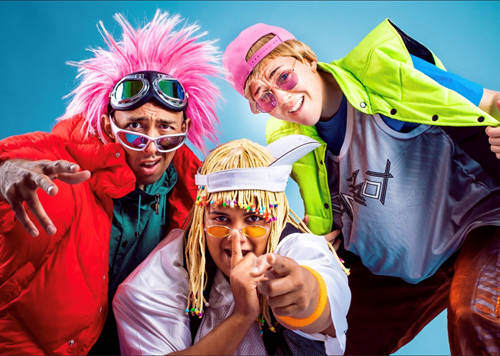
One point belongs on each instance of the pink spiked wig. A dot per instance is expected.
(156, 46)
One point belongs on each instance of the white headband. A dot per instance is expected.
(272, 178)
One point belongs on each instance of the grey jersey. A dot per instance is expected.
(406, 201)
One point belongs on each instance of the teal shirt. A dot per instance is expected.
(136, 232)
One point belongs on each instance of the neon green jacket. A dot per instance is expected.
(377, 76)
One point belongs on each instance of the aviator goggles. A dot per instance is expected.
(250, 231)
(136, 89)
(138, 142)
(287, 80)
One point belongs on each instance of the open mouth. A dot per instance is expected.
(297, 105)
(150, 164)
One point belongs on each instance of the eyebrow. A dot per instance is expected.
(271, 75)
(142, 118)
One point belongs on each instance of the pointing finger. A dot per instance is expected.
(281, 265)
(260, 266)
(236, 255)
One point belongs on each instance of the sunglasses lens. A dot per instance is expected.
(267, 102)
(218, 231)
(170, 143)
(254, 231)
(128, 89)
(287, 80)
(132, 140)
(172, 89)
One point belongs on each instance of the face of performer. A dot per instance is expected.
(152, 120)
(302, 104)
(220, 248)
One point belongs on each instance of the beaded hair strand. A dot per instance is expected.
(273, 206)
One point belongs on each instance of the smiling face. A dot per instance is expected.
(148, 165)
(234, 218)
(303, 104)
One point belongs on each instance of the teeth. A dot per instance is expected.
(150, 164)
(297, 106)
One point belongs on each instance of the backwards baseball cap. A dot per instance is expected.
(233, 60)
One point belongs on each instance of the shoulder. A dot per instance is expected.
(303, 245)
(163, 266)
(74, 129)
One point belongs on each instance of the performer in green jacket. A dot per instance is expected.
(405, 171)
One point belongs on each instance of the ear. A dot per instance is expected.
(187, 123)
(106, 125)
(313, 65)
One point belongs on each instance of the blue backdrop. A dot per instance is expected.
(37, 38)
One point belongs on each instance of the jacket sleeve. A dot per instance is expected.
(183, 194)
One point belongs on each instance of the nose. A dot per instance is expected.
(282, 96)
(151, 148)
(237, 234)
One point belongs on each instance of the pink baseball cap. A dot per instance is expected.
(233, 60)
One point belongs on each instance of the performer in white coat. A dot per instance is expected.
(245, 277)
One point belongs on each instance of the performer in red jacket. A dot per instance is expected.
(65, 248)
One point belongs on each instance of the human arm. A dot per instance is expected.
(150, 316)
(245, 312)
(312, 251)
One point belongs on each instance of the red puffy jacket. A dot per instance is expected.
(53, 289)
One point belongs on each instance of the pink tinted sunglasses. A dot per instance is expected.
(287, 80)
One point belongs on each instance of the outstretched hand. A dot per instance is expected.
(19, 180)
(494, 136)
(290, 289)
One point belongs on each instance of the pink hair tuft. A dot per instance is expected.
(156, 46)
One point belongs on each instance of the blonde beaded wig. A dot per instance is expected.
(271, 205)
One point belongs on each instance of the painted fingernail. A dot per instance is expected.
(34, 233)
(72, 167)
(49, 189)
(51, 230)
(254, 270)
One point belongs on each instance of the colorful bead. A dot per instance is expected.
(272, 329)
(186, 311)
(261, 332)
